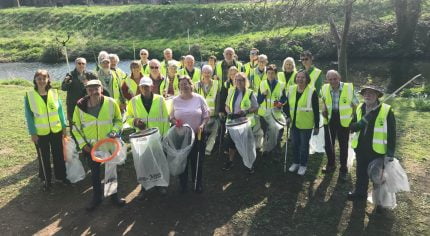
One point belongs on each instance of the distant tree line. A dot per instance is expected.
(44, 3)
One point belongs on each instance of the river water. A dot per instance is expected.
(390, 74)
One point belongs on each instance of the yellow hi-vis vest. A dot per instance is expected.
(314, 76)
(245, 104)
(210, 96)
(157, 117)
(249, 68)
(132, 86)
(380, 131)
(256, 79)
(97, 128)
(345, 103)
(305, 115)
(120, 74)
(46, 118)
(175, 85)
(271, 96)
(145, 69)
(218, 70)
(288, 81)
(196, 76)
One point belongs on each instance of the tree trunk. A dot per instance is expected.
(342, 40)
(18, 4)
(407, 15)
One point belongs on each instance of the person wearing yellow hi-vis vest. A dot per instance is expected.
(271, 95)
(144, 60)
(130, 87)
(375, 136)
(208, 88)
(47, 125)
(159, 81)
(172, 80)
(339, 102)
(259, 74)
(241, 102)
(168, 57)
(252, 64)
(148, 110)
(120, 74)
(193, 72)
(111, 83)
(316, 74)
(302, 109)
(288, 73)
(96, 117)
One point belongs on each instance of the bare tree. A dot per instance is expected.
(341, 39)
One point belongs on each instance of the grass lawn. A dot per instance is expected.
(233, 203)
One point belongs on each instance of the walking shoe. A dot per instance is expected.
(302, 170)
(120, 202)
(328, 169)
(293, 167)
(93, 204)
(251, 170)
(199, 189)
(353, 196)
(227, 165)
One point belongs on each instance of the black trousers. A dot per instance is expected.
(95, 177)
(47, 144)
(364, 157)
(197, 152)
(331, 131)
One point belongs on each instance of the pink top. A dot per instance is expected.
(191, 111)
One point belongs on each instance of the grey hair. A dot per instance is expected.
(207, 68)
(288, 59)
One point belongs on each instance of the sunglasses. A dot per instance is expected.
(81, 63)
(153, 67)
(143, 54)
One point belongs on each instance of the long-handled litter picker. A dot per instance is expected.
(63, 43)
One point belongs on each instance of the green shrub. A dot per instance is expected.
(19, 82)
(422, 104)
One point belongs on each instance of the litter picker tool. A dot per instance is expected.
(286, 151)
(63, 43)
(199, 141)
(42, 163)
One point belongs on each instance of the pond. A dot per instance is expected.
(390, 74)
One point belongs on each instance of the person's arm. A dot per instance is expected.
(316, 109)
(283, 98)
(125, 93)
(319, 83)
(78, 125)
(29, 117)
(286, 109)
(260, 97)
(391, 134)
(129, 115)
(67, 83)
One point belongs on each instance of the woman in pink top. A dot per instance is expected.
(191, 108)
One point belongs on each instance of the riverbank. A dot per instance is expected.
(28, 34)
(234, 203)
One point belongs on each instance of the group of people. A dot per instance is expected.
(172, 93)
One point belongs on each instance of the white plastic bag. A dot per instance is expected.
(317, 142)
(382, 197)
(74, 170)
(272, 133)
(351, 153)
(177, 144)
(258, 133)
(111, 177)
(150, 161)
(243, 138)
(397, 180)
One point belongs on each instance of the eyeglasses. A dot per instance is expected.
(252, 53)
(153, 67)
(143, 54)
(105, 62)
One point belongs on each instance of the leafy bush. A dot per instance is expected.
(19, 82)
(422, 104)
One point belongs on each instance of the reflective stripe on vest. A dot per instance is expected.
(271, 96)
(305, 115)
(156, 117)
(218, 71)
(380, 131)
(249, 69)
(210, 96)
(255, 81)
(245, 104)
(314, 76)
(291, 80)
(46, 118)
(345, 103)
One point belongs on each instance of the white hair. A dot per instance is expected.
(288, 59)
(229, 49)
(102, 55)
(207, 68)
(114, 57)
(155, 61)
(189, 57)
(262, 56)
(333, 72)
(144, 50)
(172, 64)
(167, 50)
(80, 59)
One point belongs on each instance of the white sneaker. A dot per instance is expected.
(302, 170)
(293, 167)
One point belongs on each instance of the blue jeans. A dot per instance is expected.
(301, 139)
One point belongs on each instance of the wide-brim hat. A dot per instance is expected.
(377, 89)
